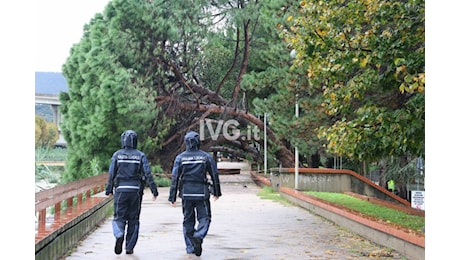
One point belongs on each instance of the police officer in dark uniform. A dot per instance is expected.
(129, 172)
(189, 179)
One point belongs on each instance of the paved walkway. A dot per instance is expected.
(243, 226)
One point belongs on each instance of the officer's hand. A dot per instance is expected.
(215, 197)
(154, 198)
(172, 204)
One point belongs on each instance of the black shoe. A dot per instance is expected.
(129, 251)
(119, 245)
(196, 241)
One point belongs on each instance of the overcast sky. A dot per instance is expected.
(59, 25)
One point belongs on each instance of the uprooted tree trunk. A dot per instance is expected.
(239, 148)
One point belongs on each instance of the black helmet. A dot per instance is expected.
(192, 141)
(129, 139)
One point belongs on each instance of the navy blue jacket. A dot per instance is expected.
(189, 173)
(128, 172)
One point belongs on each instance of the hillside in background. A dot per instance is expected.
(48, 83)
(44, 111)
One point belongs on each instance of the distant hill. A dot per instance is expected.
(50, 83)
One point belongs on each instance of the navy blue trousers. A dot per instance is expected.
(127, 207)
(195, 210)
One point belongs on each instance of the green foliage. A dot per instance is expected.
(269, 194)
(46, 133)
(110, 87)
(367, 61)
(217, 56)
(156, 169)
(278, 86)
(96, 167)
(383, 213)
(48, 174)
(47, 154)
(402, 170)
(162, 181)
(91, 168)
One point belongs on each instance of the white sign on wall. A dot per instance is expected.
(418, 199)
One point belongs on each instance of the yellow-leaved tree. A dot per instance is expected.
(46, 133)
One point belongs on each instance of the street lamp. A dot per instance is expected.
(293, 55)
(296, 174)
(265, 143)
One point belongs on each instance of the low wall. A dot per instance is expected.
(331, 180)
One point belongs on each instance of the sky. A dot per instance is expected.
(59, 25)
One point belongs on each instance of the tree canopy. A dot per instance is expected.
(162, 68)
(46, 133)
(367, 59)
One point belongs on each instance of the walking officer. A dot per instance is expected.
(189, 179)
(129, 172)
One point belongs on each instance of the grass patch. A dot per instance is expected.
(51, 154)
(269, 194)
(386, 214)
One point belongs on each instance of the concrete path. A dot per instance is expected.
(243, 226)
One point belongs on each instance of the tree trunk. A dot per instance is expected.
(284, 155)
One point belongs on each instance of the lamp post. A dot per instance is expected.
(265, 143)
(293, 55)
(296, 178)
